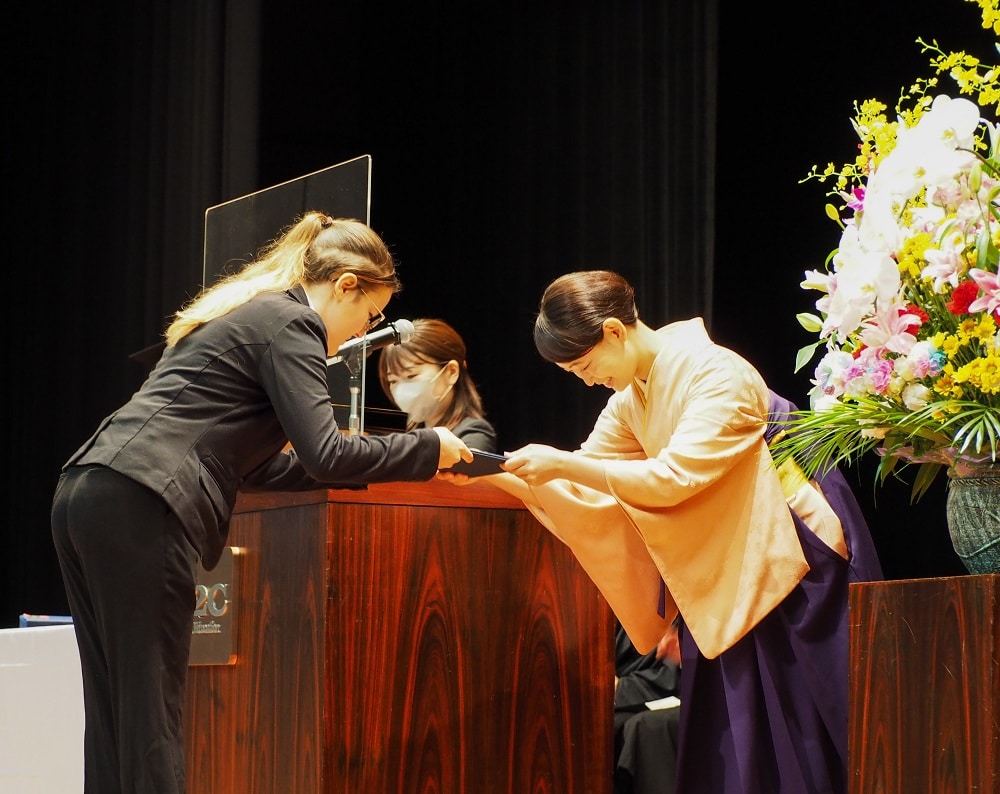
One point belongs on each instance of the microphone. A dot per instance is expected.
(395, 333)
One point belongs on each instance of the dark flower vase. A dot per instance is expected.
(973, 510)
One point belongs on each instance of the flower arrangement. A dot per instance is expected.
(909, 310)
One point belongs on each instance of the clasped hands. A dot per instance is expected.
(533, 463)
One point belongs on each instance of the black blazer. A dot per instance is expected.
(217, 409)
(477, 433)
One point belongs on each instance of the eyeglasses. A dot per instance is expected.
(373, 319)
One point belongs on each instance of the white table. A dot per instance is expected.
(41, 711)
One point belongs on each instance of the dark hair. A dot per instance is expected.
(573, 309)
(434, 342)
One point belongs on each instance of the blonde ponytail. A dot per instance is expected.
(315, 248)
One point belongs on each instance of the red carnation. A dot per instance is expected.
(912, 308)
(964, 294)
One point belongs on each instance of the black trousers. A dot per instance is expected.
(646, 751)
(129, 573)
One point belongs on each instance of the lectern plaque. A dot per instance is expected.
(215, 607)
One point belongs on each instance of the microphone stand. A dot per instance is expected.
(353, 354)
(355, 362)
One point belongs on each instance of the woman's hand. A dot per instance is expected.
(454, 477)
(669, 646)
(453, 449)
(536, 463)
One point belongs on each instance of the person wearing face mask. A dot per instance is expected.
(242, 376)
(428, 379)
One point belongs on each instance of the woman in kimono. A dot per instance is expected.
(675, 509)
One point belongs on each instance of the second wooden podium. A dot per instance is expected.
(404, 638)
(925, 686)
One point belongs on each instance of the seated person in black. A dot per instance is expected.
(427, 378)
(645, 739)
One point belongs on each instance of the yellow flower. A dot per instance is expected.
(985, 329)
(988, 374)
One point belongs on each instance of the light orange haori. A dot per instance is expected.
(696, 500)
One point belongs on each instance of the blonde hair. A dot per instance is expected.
(315, 248)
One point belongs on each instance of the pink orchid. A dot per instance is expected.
(891, 328)
(989, 283)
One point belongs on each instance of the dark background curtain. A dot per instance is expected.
(510, 144)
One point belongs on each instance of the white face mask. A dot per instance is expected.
(416, 397)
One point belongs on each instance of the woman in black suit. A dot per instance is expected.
(427, 377)
(243, 377)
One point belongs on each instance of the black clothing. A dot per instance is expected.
(153, 490)
(477, 434)
(129, 575)
(645, 740)
(215, 412)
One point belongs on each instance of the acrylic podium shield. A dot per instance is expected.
(237, 229)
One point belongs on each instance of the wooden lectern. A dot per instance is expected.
(924, 684)
(419, 637)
